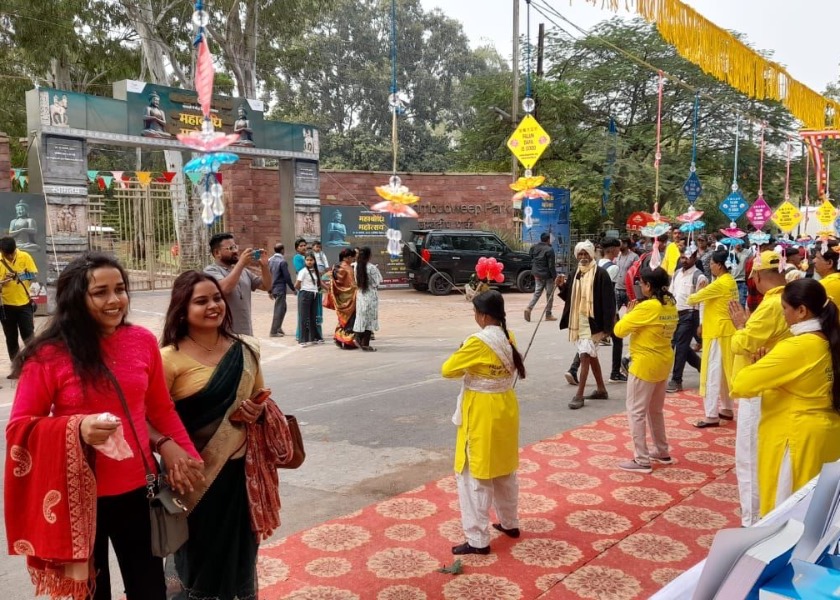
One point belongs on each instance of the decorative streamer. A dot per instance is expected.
(723, 56)
(396, 197)
(657, 228)
(733, 206)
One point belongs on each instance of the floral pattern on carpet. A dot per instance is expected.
(589, 529)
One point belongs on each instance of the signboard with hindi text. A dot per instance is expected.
(358, 226)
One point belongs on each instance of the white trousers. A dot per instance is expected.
(784, 486)
(477, 495)
(717, 388)
(746, 458)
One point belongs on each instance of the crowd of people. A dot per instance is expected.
(759, 324)
(106, 404)
(195, 398)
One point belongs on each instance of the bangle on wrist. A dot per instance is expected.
(161, 442)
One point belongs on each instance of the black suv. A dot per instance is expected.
(454, 253)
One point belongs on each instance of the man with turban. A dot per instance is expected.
(589, 315)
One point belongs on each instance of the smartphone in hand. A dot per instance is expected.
(258, 398)
(256, 254)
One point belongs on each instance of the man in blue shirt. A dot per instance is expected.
(280, 279)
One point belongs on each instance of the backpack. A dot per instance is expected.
(633, 277)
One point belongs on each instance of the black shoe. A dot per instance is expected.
(465, 548)
(674, 387)
(598, 395)
(572, 378)
(512, 532)
(625, 364)
(12, 376)
(618, 378)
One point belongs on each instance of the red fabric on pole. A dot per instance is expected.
(204, 73)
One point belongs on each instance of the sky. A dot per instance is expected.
(803, 34)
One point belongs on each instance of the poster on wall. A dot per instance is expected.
(23, 217)
(356, 227)
(307, 219)
(549, 214)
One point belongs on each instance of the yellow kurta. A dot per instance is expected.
(671, 260)
(717, 324)
(765, 328)
(490, 426)
(652, 326)
(831, 283)
(794, 381)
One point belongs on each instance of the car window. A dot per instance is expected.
(469, 243)
(490, 243)
(419, 239)
(439, 242)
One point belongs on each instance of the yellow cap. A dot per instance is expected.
(767, 260)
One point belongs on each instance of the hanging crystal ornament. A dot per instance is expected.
(207, 139)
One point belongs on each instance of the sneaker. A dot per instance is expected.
(571, 378)
(576, 403)
(304, 344)
(632, 465)
(598, 395)
(663, 460)
(606, 342)
(618, 378)
(528, 314)
(278, 334)
(625, 364)
(674, 387)
(549, 317)
(321, 341)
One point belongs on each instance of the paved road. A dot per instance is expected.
(377, 424)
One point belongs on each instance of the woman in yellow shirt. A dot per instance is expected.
(799, 384)
(716, 368)
(825, 264)
(651, 323)
(487, 416)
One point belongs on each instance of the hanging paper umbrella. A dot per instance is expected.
(690, 216)
(639, 219)
(527, 187)
(395, 208)
(655, 229)
(759, 238)
(396, 193)
(210, 163)
(692, 226)
(208, 141)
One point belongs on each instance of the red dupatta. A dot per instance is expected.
(50, 504)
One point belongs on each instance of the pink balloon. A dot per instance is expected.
(500, 278)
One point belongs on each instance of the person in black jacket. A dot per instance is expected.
(589, 315)
(544, 270)
(280, 280)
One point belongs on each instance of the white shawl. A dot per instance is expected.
(498, 342)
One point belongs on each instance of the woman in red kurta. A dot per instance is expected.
(64, 499)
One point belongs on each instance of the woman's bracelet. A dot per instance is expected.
(161, 442)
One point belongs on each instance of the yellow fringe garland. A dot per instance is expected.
(721, 55)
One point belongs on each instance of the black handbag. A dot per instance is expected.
(167, 513)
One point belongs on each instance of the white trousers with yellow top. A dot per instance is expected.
(476, 496)
(746, 459)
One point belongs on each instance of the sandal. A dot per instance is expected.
(726, 417)
(704, 424)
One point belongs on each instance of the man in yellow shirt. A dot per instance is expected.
(825, 264)
(16, 272)
(763, 329)
(672, 253)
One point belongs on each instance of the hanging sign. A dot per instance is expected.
(692, 187)
(734, 205)
(787, 216)
(826, 213)
(529, 141)
(759, 213)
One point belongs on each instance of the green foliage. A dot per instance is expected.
(586, 83)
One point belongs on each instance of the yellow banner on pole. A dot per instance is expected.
(787, 216)
(529, 141)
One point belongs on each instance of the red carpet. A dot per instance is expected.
(589, 530)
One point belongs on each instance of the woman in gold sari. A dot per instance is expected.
(214, 378)
(343, 292)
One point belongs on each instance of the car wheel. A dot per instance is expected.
(525, 282)
(420, 287)
(440, 284)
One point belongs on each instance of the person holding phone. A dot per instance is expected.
(236, 281)
(214, 377)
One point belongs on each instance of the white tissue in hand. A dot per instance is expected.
(115, 446)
